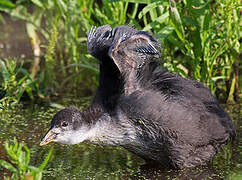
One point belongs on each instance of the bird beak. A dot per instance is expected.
(49, 137)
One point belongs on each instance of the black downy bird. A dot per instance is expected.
(153, 113)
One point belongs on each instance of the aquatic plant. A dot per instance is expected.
(14, 82)
(18, 162)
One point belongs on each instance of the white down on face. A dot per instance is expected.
(71, 136)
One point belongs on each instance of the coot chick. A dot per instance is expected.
(158, 115)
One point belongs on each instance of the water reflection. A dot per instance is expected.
(84, 161)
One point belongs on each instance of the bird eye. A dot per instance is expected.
(64, 124)
(107, 34)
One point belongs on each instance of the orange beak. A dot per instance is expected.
(49, 137)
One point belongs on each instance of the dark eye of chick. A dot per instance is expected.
(64, 124)
(107, 34)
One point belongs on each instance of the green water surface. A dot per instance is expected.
(84, 161)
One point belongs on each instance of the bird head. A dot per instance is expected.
(67, 127)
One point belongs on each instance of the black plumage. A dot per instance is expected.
(153, 113)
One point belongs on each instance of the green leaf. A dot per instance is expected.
(215, 55)
(136, 1)
(8, 166)
(38, 3)
(21, 159)
(157, 21)
(5, 5)
(164, 32)
(148, 8)
(35, 169)
(27, 157)
(176, 21)
(63, 7)
(20, 93)
(42, 166)
(20, 12)
(153, 14)
(218, 77)
(206, 20)
(4, 71)
(22, 80)
(29, 91)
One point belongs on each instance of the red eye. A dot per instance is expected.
(64, 124)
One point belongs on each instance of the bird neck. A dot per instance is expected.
(107, 131)
(110, 84)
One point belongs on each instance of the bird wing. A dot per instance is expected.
(133, 52)
(98, 41)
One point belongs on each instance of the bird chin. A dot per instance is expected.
(63, 140)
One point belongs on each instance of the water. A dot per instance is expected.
(85, 161)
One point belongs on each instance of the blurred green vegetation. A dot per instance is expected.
(200, 40)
